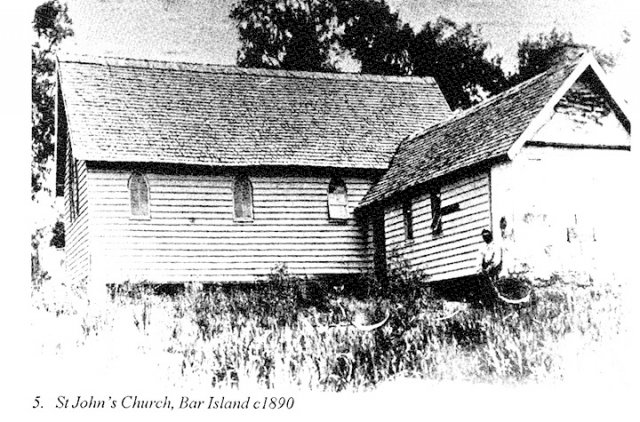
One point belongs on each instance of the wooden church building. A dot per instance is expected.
(177, 172)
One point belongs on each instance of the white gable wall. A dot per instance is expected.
(583, 117)
(565, 197)
(570, 130)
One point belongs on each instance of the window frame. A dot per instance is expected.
(407, 219)
(243, 178)
(332, 203)
(145, 181)
(436, 212)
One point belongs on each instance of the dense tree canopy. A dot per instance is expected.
(52, 25)
(309, 34)
(456, 57)
(285, 34)
(375, 36)
(536, 55)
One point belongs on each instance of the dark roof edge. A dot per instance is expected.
(453, 174)
(235, 70)
(208, 168)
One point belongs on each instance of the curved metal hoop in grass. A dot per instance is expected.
(372, 326)
(523, 299)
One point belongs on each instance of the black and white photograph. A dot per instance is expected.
(314, 209)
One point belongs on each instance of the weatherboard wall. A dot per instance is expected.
(77, 229)
(191, 234)
(455, 251)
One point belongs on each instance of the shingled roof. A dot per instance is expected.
(128, 110)
(484, 133)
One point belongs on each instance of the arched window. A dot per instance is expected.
(139, 190)
(242, 199)
(337, 199)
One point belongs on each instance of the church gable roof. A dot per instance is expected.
(164, 112)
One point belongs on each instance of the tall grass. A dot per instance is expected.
(263, 337)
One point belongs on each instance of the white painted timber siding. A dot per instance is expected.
(563, 128)
(583, 117)
(191, 234)
(455, 251)
(77, 232)
(568, 211)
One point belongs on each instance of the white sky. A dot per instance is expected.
(200, 30)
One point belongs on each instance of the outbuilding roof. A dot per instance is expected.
(129, 110)
(488, 132)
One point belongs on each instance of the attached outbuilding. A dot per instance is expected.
(545, 166)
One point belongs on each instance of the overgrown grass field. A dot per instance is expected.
(274, 337)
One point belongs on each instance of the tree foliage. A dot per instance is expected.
(307, 34)
(375, 36)
(52, 25)
(536, 55)
(456, 57)
(285, 34)
(57, 235)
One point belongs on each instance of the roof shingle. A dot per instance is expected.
(480, 134)
(148, 111)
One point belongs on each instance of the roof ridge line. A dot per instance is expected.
(231, 69)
